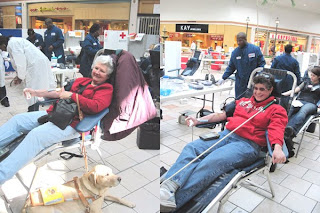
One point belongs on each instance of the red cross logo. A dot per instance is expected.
(105, 34)
(122, 35)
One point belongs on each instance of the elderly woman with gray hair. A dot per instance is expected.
(96, 96)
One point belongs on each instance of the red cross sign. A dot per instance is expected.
(122, 35)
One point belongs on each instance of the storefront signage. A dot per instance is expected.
(196, 28)
(216, 37)
(48, 9)
(284, 37)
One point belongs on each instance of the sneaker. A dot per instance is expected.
(167, 200)
(5, 102)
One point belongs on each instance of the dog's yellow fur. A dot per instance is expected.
(95, 182)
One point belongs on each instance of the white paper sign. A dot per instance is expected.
(139, 36)
(72, 33)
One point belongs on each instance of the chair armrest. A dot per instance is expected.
(89, 121)
(270, 151)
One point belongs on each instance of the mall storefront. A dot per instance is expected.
(266, 39)
(80, 16)
(216, 36)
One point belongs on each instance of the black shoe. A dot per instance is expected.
(291, 153)
(289, 132)
(5, 102)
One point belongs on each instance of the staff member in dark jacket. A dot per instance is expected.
(36, 39)
(287, 62)
(53, 39)
(245, 58)
(90, 46)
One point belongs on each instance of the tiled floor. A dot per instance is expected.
(296, 184)
(139, 169)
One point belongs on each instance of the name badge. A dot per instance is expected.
(53, 34)
(238, 57)
(252, 55)
(94, 43)
(37, 40)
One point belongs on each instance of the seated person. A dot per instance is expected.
(309, 96)
(239, 150)
(96, 96)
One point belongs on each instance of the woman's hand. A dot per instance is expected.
(32, 92)
(65, 94)
(191, 121)
(278, 155)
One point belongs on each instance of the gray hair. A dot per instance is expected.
(105, 60)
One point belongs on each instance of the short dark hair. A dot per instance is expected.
(31, 31)
(288, 48)
(264, 78)
(4, 40)
(94, 28)
(316, 70)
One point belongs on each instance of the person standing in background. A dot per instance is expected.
(90, 46)
(245, 58)
(53, 39)
(30, 64)
(3, 92)
(193, 47)
(287, 62)
(36, 39)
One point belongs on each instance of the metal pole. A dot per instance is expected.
(275, 38)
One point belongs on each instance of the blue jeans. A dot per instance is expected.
(233, 152)
(297, 116)
(38, 138)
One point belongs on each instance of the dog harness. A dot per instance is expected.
(86, 200)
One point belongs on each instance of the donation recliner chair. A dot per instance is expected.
(220, 189)
(89, 123)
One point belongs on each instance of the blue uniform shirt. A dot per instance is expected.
(244, 60)
(55, 38)
(287, 62)
(90, 46)
(38, 41)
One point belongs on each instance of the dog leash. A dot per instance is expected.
(69, 155)
(82, 198)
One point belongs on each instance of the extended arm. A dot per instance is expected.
(214, 117)
(43, 93)
(297, 89)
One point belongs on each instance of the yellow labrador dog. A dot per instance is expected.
(92, 185)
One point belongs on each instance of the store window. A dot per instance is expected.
(315, 45)
(104, 25)
(269, 42)
(11, 17)
(203, 40)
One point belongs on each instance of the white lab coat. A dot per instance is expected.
(31, 65)
(2, 71)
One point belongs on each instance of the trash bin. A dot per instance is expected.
(148, 135)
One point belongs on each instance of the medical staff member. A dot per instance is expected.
(287, 62)
(53, 39)
(90, 46)
(30, 64)
(3, 92)
(35, 38)
(245, 58)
